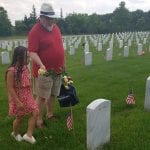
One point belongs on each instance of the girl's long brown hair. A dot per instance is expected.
(19, 57)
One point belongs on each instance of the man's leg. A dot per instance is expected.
(50, 106)
(41, 105)
(55, 89)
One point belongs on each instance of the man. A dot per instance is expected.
(46, 51)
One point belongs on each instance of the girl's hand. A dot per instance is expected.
(19, 104)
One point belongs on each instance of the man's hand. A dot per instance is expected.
(42, 67)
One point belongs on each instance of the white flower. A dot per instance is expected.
(41, 71)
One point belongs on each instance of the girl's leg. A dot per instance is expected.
(31, 123)
(16, 125)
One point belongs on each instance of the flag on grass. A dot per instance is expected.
(130, 98)
(69, 121)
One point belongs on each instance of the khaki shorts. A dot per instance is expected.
(46, 86)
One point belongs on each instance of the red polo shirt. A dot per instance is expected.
(48, 46)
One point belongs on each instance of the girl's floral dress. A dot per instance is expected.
(24, 94)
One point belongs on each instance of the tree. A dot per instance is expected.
(5, 24)
(24, 26)
(61, 13)
(147, 20)
(20, 28)
(140, 24)
(121, 18)
(32, 19)
(136, 17)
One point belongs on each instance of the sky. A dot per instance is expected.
(17, 9)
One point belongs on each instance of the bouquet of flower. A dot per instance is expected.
(47, 73)
(67, 96)
(41, 71)
(67, 80)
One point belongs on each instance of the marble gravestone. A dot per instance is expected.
(140, 46)
(98, 123)
(72, 50)
(111, 45)
(144, 41)
(86, 48)
(99, 47)
(9, 47)
(120, 43)
(108, 54)
(129, 42)
(88, 58)
(147, 95)
(5, 57)
(126, 51)
(64, 45)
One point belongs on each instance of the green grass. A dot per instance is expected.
(130, 126)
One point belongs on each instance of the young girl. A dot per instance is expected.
(21, 101)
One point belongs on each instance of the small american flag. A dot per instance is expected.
(130, 98)
(69, 121)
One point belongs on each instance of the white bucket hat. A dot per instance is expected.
(47, 10)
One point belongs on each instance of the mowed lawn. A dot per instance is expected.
(130, 126)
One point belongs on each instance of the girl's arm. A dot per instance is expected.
(11, 90)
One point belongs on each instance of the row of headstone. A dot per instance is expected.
(99, 40)
(98, 119)
(10, 44)
(7, 46)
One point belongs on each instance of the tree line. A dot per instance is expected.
(120, 20)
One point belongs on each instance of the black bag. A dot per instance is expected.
(67, 97)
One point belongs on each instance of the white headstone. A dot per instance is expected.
(76, 45)
(4, 45)
(72, 50)
(108, 54)
(126, 51)
(140, 46)
(144, 41)
(9, 47)
(137, 40)
(120, 43)
(24, 43)
(98, 123)
(5, 57)
(16, 43)
(111, 45)
(88, 58)
(129, 42)
(65, 45)
(149, 48)
(95, 43)
(86, 47)
(99, 46)
(147, 95)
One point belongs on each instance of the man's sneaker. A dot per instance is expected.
(17, 137)
(29, 139)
